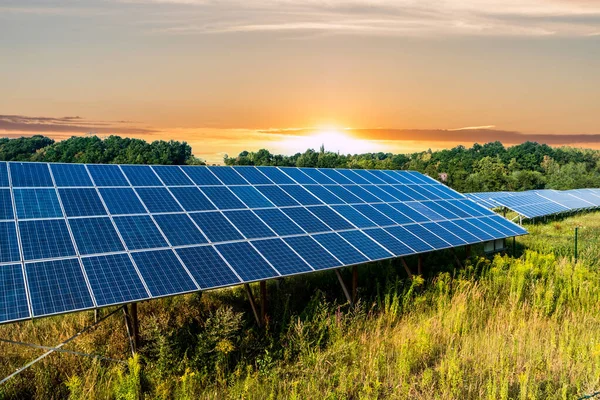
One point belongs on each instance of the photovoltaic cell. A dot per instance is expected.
(421, 208)
(70, 175)
(171, 175)
(45, 277)
(392, 213)
(158, 200)
(312, 252)
(107, 175)
(324, 195)
(113, 279)
(354, 216)
(383, 176)
(345, 195)
(335, 176)
(424, 235)
(141, 175)
(139, 232)
(442, 232)
(122, 201)
(95, 235)
(410, 192)
(279, 222)
(275, 175)
(427, 195)
(228, 176)
(408, 238)
(253, 175)
(278, 253)
(13, 298)
(368, 176)
(362, 193)
(381, 195)
(222, 197)
(251, 197)
(163, 273)
(207, 267)
(277, 196)
(472, 229)
(297, 175)
(216, 227)
(179, 229)
(45, 239)
(4, 174)
(201, 176)
(249, 224)
(317, 176)
(9, 245)
(191, 198)
(341, 249)
(6, 208)
(366, 245)
(437, 208)
(35, 203)
(353, 176)
(30, 175)
(460, 232)
(81, 202)
(388, 241)
(301, 195)
(246, 261)
(330, 217)
(305, 219)
(374, 215)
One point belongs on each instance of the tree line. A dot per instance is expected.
(480, 168)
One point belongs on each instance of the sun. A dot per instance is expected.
(332, 139)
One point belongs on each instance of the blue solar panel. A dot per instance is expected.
(366, 245)
(34, 203)
(336, 176)
(389, 242)
(207, 267)
(141, 175)
(301, 195)
(122, 201)
(437, 208)
(312, 252)
(362, 193)
(4, 174)
(317, 176)
(368, 176)
(458, 231)
(275, 175)
(400, 176)
(464, 224)
(30, 175)
(44, 278)
(45, 239)
(455, 210)
(201, 176)
(113, 279)
(345, 195)
(13, 305)
(277, 196)
(191, 198)
(421, 208)
(297, 175)
(324, 195)
(462, 205)
(442, 232)
(409, 239)
(216, 227)
(249, 224)
(381, 195)
(355, 217)
(70, 175)
(9, 245)
(81, 202)
(353, 176)
(280, 254)
(439, 193)
(331, 218)
(251, 197)
(341, 249)
(107, 175)
(222, 197)
(516, 229)
(246, 261)
(392, 213)
(253, 175)
(424, 235)
(95, 235)
(163, 273)
(158, 200)
(374, 215)
(172, 175)
(179, 229)
(279, 222)
(426, 195)
(489, 226)
(228, 176)
(6, 207)
(383, 176)
(410, 192)
(139, 232)
(305, 219)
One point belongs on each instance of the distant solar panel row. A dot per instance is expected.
(537, 203)
(75, 237)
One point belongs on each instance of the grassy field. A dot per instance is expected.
(526, 327)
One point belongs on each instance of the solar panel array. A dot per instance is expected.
(538, 203)
(77, 237)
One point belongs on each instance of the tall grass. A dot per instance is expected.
(501, 328)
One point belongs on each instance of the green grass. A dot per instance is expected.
(500, 328)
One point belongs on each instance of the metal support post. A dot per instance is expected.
(135, 329)
(263, 302)
(344, 288)
(252, 304)
(129, 328)
(408, 272)
(420, 264)
(354, 284)
(576, 234)
(468, 250)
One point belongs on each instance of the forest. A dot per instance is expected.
(480, 168)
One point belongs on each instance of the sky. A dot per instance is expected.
(356, 76)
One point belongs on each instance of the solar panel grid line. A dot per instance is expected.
(22, 263)
(355, 248)
(366, 237)
(87, 281)
(434, 234)
(220, 253)
(353, 176)
(265, 258)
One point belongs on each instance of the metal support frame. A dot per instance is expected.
(130, 330)
(253, 304)
(406, 268)
(263, 302)
(354, 284)
(468, 250)
(344, 287)
(420, 264)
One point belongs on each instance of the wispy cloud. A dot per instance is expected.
(377, 17)
(73, 125)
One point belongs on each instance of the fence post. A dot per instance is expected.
(576, 231)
